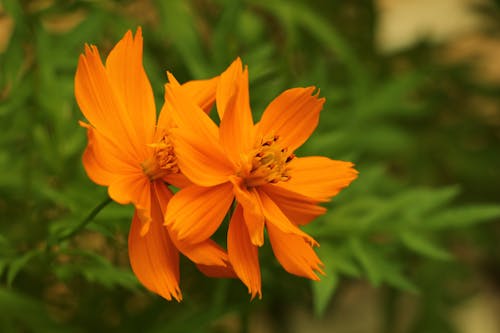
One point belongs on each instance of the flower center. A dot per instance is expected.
(269, 164)
(163, 160)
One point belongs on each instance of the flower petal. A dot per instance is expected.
(196, 140)
(252, 210)
(217, 271)
(227, 87)
(195, 212)
(319, 177)
(186, 113)
(201, 163)
(294, 253)
(177, 179)
(299, 209)
(202, 92)
(103, 160)
(128, 188)
(292, 116)
(274, 216)
(154, 259)
(236, 127)
(131, 84)
(98, 173)
(243, 254)
(101, 105)
(207, 255)
(135, 189)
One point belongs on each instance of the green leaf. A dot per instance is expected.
(110, 276)
(366, 257)
(178, 23)
(96, 269)
(384, 139)
(462, 217)
(25, 313)
(430, 199)
(390, 97)
(420, 244)
(323, 291)
(336, 260)
(339, 259)
(18, 264)
(392, 275)
(378, 267)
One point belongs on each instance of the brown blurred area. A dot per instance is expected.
(455, 26)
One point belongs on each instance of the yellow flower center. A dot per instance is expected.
(269, 164)
(163, 160)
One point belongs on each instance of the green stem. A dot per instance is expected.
(85, 221)
(245, 319)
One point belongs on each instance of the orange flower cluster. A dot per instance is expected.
(242, 167)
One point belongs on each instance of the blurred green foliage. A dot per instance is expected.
(429, 164)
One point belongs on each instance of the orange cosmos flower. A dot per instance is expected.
(131, 152)
(255, 164)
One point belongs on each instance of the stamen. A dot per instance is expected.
(162, 162)
(269, 163)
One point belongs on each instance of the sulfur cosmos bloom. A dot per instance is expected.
(131, 153)
(255, 165)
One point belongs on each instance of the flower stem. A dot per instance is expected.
(85, 221)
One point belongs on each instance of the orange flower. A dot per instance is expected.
(256, 165)
(131, 152)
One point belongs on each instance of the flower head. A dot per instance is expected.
(256, 165)
(131, 152)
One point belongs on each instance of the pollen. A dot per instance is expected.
(269, 163)
(163, 160)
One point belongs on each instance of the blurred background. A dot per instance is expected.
(413, 98)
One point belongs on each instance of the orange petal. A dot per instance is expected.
(128, 188)
(163, 195)
(294, 253)
(202, 92)
(274, 216)
(228, 86)
(153, 257)
(165, 121)
(319, 177)
(217, 271)
(135, 189)
(131, 85)
(101, 105)
(94, 169)
(252, 210)
(186, 113)
(201, 163)
(292, 116)
(243, 254)
(97, 170)
(236, 127)
(195, 212)
(299, 209)
(206, 253)
(196, 140)
(208, 256)
(178, 180)
(103, 160)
